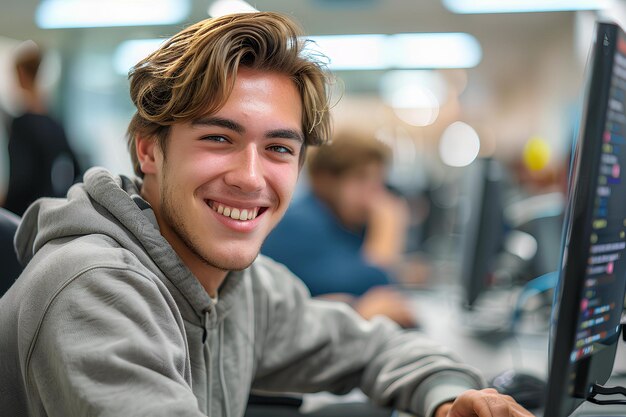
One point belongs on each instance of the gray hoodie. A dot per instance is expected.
(106, 320)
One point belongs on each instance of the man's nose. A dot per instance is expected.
(247, 170)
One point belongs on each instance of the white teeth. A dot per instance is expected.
(235, 213)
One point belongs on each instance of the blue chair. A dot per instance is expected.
(11, 268)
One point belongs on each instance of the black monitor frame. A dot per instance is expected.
(484, 230)
(565, 394)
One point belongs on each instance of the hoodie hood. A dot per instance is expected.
(86, 210)
(111, 205)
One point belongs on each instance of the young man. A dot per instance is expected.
(147, 297)
(343, 237)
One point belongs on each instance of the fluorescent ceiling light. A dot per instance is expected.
(54, 14)
(521, 6)
(357, 52)
(128, 53)
(414, 96)
(223, 7)
(351, 52)
(399, 51)
(435, 50)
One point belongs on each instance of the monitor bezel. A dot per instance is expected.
(597, 367)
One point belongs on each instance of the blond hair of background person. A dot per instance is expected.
(343, 237)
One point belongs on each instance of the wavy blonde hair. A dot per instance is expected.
(193, 73)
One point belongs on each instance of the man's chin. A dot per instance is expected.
(230, 264)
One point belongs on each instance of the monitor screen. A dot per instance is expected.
(483, 229)
(589, 297)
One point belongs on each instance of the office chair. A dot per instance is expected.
(11, 268)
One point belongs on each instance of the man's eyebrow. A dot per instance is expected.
(237, 127)
(220, 122)
(285, 134)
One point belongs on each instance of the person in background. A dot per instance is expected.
(148, 297)
(41, 161)
(344, 236)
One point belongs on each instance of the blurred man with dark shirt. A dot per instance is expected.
(41, 160)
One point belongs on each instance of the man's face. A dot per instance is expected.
(227, 178)
(356, 191)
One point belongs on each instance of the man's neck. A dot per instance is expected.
(210, 277)
(33, 103)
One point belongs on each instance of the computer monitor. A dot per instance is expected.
(589, 296)
(483, 229)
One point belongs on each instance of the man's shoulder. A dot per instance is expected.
(85, 251)
(61, 261)
(78, 271)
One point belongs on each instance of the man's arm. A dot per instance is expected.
(312, 345)
(109, 345)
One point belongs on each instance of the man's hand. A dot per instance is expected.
(484, 403)
(387, 224)
(387, 302)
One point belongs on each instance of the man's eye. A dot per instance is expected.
(212, 138)
(281, 149)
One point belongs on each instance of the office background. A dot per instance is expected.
(522, 83)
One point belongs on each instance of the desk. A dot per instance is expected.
(592, 410)
(444, 320)
(527, 351)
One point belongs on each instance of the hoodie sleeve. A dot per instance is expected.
(311, 345)
(109, 344)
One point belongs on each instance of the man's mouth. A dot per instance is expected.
(236, 213)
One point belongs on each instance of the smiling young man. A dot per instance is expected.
(148, 297)
(228, 177)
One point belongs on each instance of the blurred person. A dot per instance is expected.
(345, 234)
(41, 161)
(147, 296)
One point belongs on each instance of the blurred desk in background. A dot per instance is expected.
(525, 350)
(483, 338)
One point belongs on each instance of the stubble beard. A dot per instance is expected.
(172, 215)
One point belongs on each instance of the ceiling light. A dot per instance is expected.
(435, 50)
(399, 51)
(414, 96)
(351, 52)
(54, 14)
(358, 52)
(521, 6)
(223, 7)
(129, 53)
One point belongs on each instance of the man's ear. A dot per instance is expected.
(147, 149)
